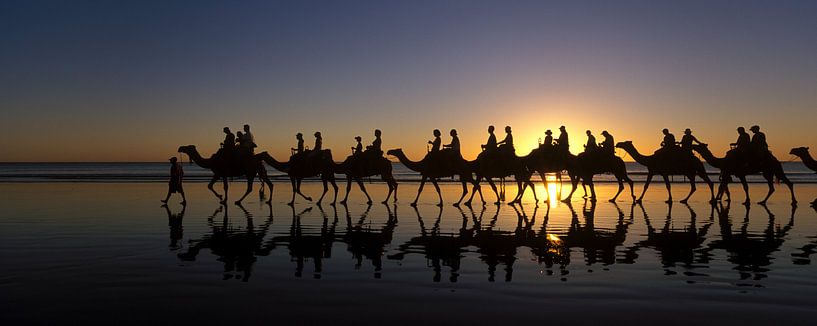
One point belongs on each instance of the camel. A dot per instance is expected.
(433, 169)
(544, 160)
(359, 167)
(586, 165)
(670, 162)
(769, 168)
(223, 168)
(305, 165)
(501, 165)
(808, 161)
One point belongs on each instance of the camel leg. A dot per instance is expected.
(464, 192)
(325, 190)
(692, 188)
(419, 191)
(348, 189)
(620, 188)
(250, 181)
(210, 186)
(782, 177)
(630, 182)
(335, 188)
(545, 184)
(493, 187)
(363, 188)
(226, 185)
(298, 190)
(574, 182)
(533, 189)
(592, 188)
(391, 188)
(294, 191)
(745, 186)
(520, 191)
(646, 185)
(394, 182)
(439, 193)
(266, 180)
(669, 188)
(770, 182)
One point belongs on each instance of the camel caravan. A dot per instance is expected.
(498, 161)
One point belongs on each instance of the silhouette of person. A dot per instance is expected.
(300, 149)
(357, 149)
(591, 146)
(669, 139)
(175, 183)
(490, 145)
(318, 142)
(548, 139)
(249, 139)
(375, 147)
(455, 143)
(688, 139)
(229, 140)
(758, 141)
(564, 145)
(435, 145)
(743, 140)
(239, 139)
(507, 143)
(608, 145)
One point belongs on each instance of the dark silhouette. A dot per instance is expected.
(733, 164)
(564, 144)
(599, 245)
(225, 166)
(758, 141)
(548, 138)
(248, 141)
(588, 164)
(666, 162)
(669, 139)
(365, 241)
(436, 143)
(490, 145)
(307, 243)
(808, 161)
(609, 144)
(370, 163)
(175, 183)
(300, 148)
(433, 167)
(507, 143)
(688, 139)
(591, 145)
(357, 149)
(174, 222)
(455, 143)
(500, 164)
(229, 141)
(304, 165)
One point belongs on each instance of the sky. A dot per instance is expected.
(134, 80)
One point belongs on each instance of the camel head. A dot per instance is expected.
(625, 145)
(187, 149)
(799, 151)
(700, 147)
(395, 152)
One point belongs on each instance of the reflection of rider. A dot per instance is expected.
(591, 146)
(688, 139)
(608, 145)
(507, 143)
(491, 144)
(435, 145)
(455, 143)
(300, 149)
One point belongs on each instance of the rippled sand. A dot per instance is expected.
(108, 252)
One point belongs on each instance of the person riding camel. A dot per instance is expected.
(591, 145)
(300, 149)
(562, 142)
(435, 144)
(490, 145)
(374, 148)
(318, 145)
(548, 139)
(357, 149)
(758, 141)
(741, 146)
(239, 140)
(249, 140)
(688, 139)
(506, 145)
(228, 146)
(608, 145)
(454, 146)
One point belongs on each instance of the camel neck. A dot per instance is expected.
(280, 166)
(412, 165)
(638, 157)
(198, 159)
(809, 161)
(710, 158)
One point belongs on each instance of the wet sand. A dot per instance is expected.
(108, 252)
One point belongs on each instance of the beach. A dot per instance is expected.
(77, 252)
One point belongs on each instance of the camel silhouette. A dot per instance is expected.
(586, 165)
(544, 160)
(666, 163)
(769, 168)
(305, 165)
(364, 241)
(433, 169)
(500, 165)
(808, 161)
(357, 167)
(224, 167)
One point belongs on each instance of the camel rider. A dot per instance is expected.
(435, 145)
(249, 139)
(758, 142)
(688, 139)
(743, 140)
(318, 145)
(374, 148)
(608, 145)
(358, 149)
(239, 140)
(591, 146)
(669, 139)
(490, 145)
(229, 140)
(507, 143)
(548, 139)
(564, 145)
(454, 146)
(300, 149)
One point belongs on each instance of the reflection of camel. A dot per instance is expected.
(598, 245)
(808, 161)
(497, 246)
(544, 160)
(548, 248)
(305, 165)
(670, 162)
(363, 165)
(432, 169)
(769, 168)
(364, 241)
(500, 165)
(674, 245)
(223, 167)
(304, 244)
(586, 165)
(751, 253)
(236, 248)
(804, 256)
(440, 249)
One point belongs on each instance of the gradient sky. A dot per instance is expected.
(133, 80)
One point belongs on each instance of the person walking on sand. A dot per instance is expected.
(175, 183)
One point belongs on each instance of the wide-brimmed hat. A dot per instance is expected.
(173, 159)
